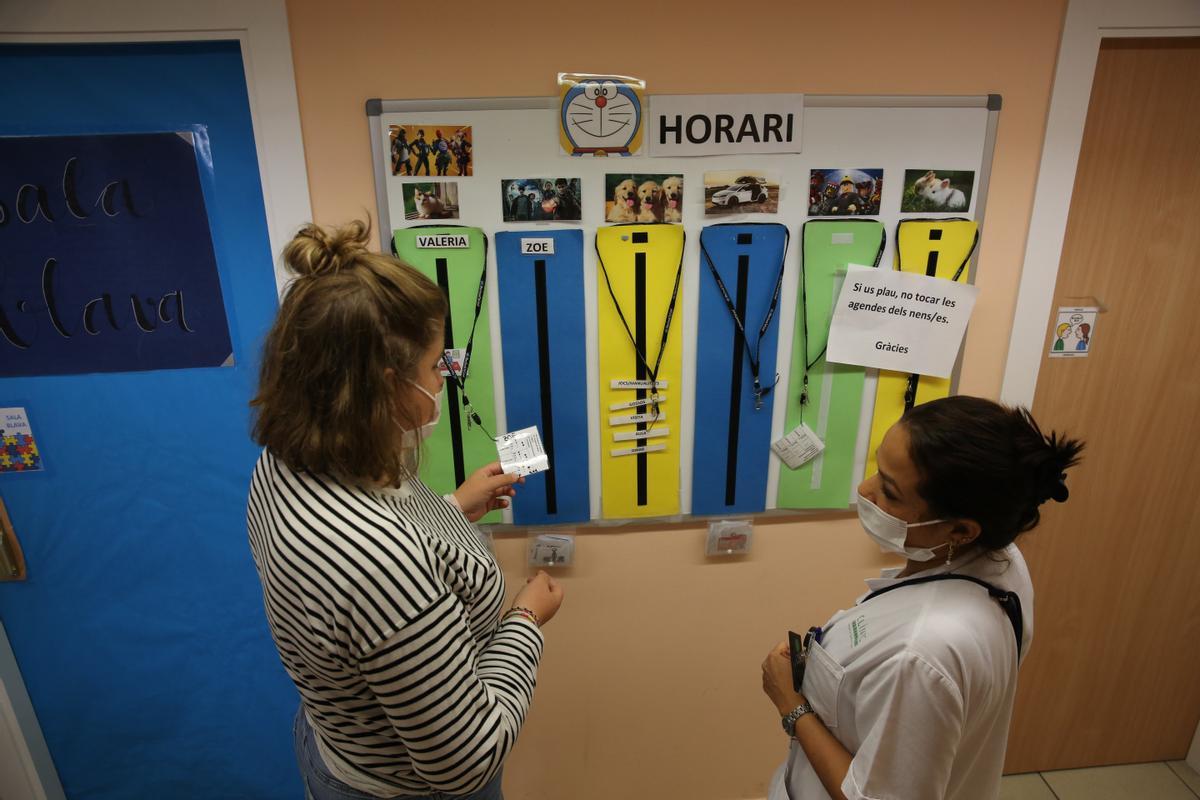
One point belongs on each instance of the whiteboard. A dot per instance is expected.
(518, 138)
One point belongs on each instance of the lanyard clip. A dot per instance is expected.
(804, 391)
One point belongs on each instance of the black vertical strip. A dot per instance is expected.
(543, 337)
(931, 264)
(639, 334)
(456, 437)
(735, 381)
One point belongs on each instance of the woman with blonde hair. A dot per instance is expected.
(382, 598)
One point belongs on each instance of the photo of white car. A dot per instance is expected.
(744, 191)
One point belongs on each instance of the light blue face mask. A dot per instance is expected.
(414, 438)
(891, 533)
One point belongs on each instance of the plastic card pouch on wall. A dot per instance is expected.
(736, 348)
(455, 258)
(937, 248)
(540, 279)
(825, 397)
(639, 275)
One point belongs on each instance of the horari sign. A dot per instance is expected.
(106, 257)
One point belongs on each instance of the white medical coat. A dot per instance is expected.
(918, 684)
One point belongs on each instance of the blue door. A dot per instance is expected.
(140, 630)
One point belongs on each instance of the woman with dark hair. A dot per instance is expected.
(909, 693)
(382, 597)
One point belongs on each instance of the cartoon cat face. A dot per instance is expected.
(601, 113)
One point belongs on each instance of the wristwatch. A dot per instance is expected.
(789, 721)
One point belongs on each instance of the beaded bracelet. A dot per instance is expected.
(518, 611)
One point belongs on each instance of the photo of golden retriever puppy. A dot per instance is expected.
(649, 208)
(643, 198)
(624, 202)
(672, 199)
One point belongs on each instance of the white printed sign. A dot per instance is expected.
(900, 321)
(725, 124)
(537, 247)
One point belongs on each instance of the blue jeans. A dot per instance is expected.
(320, 784)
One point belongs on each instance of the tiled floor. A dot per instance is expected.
(1173, 780)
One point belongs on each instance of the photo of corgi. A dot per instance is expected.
(937, 190)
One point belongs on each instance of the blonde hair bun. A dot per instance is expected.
(316, 251)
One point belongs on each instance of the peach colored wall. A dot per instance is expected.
(650, 683)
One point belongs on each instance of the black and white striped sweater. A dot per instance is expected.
(384, 605)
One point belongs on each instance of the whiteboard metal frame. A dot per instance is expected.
(377, 107)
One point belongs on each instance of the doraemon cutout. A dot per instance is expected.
(600, 115)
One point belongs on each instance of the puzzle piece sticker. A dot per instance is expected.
(19, 452)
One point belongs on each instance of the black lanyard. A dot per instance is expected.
(662, 345)
(1009, 601)
(809, 364)
(910, 390)
(460, 378)
(754, 356)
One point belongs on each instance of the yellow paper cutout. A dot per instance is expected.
(917, 240)
(659, 248)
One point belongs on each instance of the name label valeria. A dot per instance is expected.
(459, 241)
(703, 125)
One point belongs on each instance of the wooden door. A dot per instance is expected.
(1114, 672)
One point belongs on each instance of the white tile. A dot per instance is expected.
(1128, 782)
(1186, 774)
(1029, 786)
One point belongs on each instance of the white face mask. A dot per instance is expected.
(892, 532)
(413, 438)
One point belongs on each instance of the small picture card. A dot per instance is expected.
(1073, 332)
(740, 191)
(541, 200)
(798, 447)
(434, 200)
(552, 550)
(729, 537)
(454, 357)
(521, 452)
(447, 147)
(844, 191)
(18, 449)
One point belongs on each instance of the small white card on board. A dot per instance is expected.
(521, 452)
(798, 447)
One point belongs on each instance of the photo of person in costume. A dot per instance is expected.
(431, 149)
(937, 190)
(844, 192)
(541, 199)
(643, 198)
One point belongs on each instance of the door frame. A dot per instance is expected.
(260, 27)
(1087, 23)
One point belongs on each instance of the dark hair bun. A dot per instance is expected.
(317, 251)
(1051, 461)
